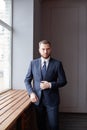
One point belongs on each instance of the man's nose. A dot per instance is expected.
(45, 51)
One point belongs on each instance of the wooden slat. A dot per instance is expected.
(7, 97)
(14, 97)
(13, 103)
(4, 95)
(12, 106)
(12, 109)
(6, 124)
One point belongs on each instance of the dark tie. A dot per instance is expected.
(44, 70)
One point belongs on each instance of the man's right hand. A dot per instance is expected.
(33, 97)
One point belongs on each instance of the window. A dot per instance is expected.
(5, 44)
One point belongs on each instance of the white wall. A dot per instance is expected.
(22, 40)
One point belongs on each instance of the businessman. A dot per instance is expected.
(44, 78)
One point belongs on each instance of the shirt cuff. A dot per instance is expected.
(50, 85)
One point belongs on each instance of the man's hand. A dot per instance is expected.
(33, 97)
(45, 85)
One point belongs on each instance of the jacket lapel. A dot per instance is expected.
(39, 68)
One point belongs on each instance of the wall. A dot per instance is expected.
(22, 40)
(64, 23)
(37, 26)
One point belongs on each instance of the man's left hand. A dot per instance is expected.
(45, 85)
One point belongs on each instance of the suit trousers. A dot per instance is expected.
(47, 116)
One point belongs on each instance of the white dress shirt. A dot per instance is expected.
(46, 60)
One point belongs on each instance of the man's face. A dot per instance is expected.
(45, 50)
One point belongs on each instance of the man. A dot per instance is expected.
(48, 76)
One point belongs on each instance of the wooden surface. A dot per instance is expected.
(12, 105)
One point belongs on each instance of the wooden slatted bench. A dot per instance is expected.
(12, 105)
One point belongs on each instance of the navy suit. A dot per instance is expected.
(55, 75)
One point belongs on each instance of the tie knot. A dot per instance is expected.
(44, 62)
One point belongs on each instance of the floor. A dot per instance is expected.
(73, 121)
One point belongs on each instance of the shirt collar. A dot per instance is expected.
(43, 59)
(46, 60)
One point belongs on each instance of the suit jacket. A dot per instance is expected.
(55, 75)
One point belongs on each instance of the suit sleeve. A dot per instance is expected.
(61, 80)
(28, 79)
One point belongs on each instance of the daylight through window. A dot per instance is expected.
(5, 44)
